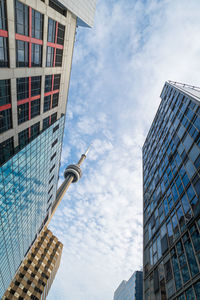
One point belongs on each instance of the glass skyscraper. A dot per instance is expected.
(28, 183)
(36, 49)
(131, 289)
(171, 173)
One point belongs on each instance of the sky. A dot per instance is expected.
(119, 68)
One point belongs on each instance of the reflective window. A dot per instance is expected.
(56, 84)
(190, 294)
(23, 113)
(35, 130)
(61, 34)
(47, 103)
(48, 83)
(5, 96)
(50, 56)
(53, 118)
(21, 18)
(55, 100)
(51, 31)
(3, 16)
(6, 150)
(22, 55)
(3, 52)
(36, 55)
(35, 108)
(22, 88)
(46, 123)
(5, 120)
(37, 25)
(23, 138)
(35, 85)
(191, 258)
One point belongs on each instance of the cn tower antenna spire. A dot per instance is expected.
(83, 156)
(72, 174)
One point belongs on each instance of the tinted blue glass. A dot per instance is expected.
(24, 198)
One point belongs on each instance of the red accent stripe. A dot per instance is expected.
(6, 106)
(54, 58)
(54, 45)
(28, 99)
(30, 45)
(29, 87)
(51, 93)
(29, 110)
(3, 33)
(28, 39)
(52, 83)
(29, 132)
(49, 120)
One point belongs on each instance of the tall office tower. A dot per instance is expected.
(37, 40)
(131, 289)
(36, 274)
(171, 169)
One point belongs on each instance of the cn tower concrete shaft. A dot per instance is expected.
(72, 174)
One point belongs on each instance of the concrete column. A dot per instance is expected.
(11, 33)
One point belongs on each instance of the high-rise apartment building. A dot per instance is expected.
(36, 48)
(171, 170)
(37, 272)
(131, 289)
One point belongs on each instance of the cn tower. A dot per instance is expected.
(72, 174)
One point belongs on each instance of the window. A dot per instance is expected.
(189, 294)
(22, 55)
(50, 55)
(51, 30)
(46, 123)
(3, 52)
(47, 103)
(54, 155)
(3, 17)
(55, 100)
(5, 120)
(61, 34)
(59, 53)
(37, 25)
(23, 113)
(48, 83)
(23, 137)
(36, 55)
(53, 118)
(21, 18)
(51, 179)
(56, 84)
(55, 128)
(6, 150)
(5, 92)
(35, 85)
(22, 88)
(35, 130)
(52, 168)
(49, 191)
(58, 7)
(54, 143)
(168, 271)
(191, 258)
(35, 108)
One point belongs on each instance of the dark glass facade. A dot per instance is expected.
(171, 173)
(27, 192)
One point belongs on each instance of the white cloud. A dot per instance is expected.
(119, 69)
